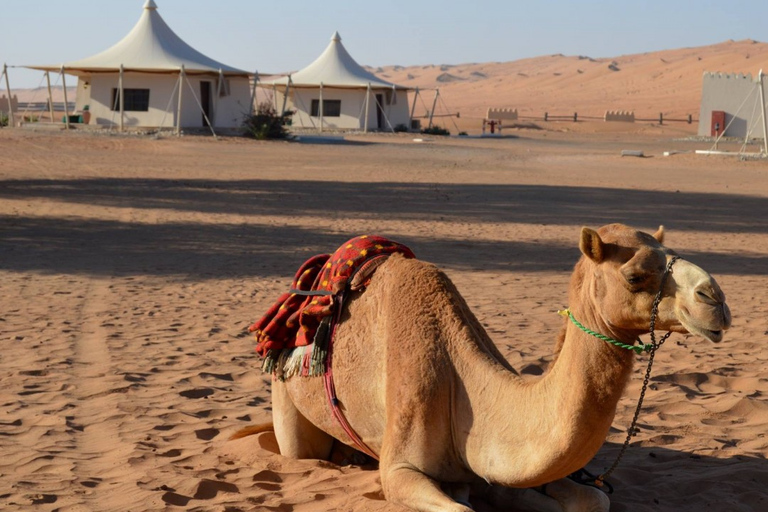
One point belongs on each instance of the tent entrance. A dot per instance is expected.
(379, 111)
(206, 101)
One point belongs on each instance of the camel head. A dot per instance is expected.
(622, 271)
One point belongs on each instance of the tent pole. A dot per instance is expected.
(216, 98)
(367, 105)
(121, 92)
(413, 108)
(762, 110)
(50, 94)
(434, 105)
(320, 107)
(178, 109)
(66, 103)
(253, 93)
(10, 99)
(274, 95)
(285, 97)
(392, 102)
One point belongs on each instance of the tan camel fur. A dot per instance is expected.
(424, 386)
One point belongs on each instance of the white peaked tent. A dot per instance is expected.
(152, 78)
(338, 93)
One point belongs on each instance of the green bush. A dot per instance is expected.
(3, 119)
(266, 123)
(399, 128)
(435, 130)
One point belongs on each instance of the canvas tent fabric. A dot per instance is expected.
(152, 78)
(335, 67)
(150, 47)
(335, 92)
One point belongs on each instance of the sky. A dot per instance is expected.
(280, 36)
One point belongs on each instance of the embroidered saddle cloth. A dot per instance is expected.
(302, 317)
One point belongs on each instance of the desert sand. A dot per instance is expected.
(131, 267)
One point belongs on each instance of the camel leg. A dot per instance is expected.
(296, 436)
(406, 485)
(562, 495)
(578, 498)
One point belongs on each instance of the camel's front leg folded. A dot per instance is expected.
(406, 485)
(562, 495)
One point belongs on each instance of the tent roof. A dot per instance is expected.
(335, 67)
(151, 46)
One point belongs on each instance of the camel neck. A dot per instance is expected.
(552, 424)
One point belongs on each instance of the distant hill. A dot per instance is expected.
(665, 81)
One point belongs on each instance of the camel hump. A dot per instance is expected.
(252, 430)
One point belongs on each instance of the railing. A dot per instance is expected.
(575, 117)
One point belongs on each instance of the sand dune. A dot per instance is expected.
(665, 81)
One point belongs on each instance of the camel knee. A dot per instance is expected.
(404, 484)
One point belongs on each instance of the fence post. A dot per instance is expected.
(690, 119)
(575, 116)
(661, 117)
(546, 115)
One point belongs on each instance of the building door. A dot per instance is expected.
(205, 101)
(380, 111)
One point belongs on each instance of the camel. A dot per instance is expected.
(423, 385)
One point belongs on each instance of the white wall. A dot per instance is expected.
(352, 108)
(736, 94)
(163, 95)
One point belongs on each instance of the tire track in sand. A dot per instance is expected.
(103, 455)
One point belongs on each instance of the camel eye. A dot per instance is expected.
(634, 280)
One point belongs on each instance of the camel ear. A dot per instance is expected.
(659, 235)
(592, 245)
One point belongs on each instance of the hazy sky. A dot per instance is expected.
(280, 36)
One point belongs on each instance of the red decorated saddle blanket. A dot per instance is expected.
(303, 316)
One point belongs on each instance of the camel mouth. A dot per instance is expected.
(712, 335)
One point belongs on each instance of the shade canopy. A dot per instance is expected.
(335, 67)
(151, 47)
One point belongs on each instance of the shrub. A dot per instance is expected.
(399, 128)
(266, 123)
(435, 130)
(3, 119)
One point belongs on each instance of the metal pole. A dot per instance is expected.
(413, 108)
(253, 92)
(274, 95)
(178, 108)
(320, 107)
(121, 93)
(50, 94)
(762, 110)
(285, 97)
(10, 99)
(367, 105)
(434, 105)
(66, 103)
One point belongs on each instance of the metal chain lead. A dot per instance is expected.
(631, 431)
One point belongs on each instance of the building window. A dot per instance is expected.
(136, 100)
(331, 108)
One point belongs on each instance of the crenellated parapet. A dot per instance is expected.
(4, 103)
(619, 115)
(716, 75)
(502, 114)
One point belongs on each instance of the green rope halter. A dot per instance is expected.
(639, 349)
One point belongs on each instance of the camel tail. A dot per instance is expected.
(251, 430)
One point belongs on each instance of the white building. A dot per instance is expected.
(335, 92)
(152, 78)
